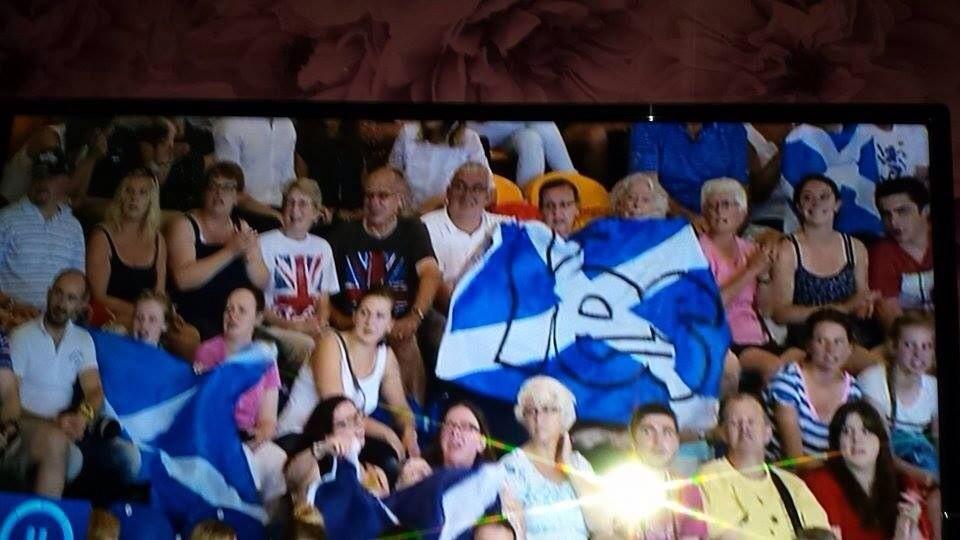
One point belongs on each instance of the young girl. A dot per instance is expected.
(906, 396)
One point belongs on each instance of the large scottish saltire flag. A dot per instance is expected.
(184, 426)
(624, 312)
(847, 157)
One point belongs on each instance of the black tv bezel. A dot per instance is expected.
(936, 117)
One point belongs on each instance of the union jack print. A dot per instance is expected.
(296, 282)
(368, 269)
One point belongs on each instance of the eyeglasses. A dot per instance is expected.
(382, 195)
(560, 205)
(475, 189)
(352, 421)
(542, 410)
(223, 186)
(450, 427)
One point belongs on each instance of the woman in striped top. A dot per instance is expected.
(802, 398)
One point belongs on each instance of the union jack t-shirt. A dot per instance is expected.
(300, 271)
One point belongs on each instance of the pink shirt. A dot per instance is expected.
(741, 315)
(212, 353)
(673, 525)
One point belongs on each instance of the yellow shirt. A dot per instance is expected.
(753, 506)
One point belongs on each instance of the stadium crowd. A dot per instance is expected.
(336, 246)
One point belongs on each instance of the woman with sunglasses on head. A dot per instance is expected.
(359, 364)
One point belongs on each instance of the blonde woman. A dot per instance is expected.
(126, 253)
(639, 195)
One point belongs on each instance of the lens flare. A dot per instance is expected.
(633, 491)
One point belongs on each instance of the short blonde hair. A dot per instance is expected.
(151, 221)
(619, 192)
(307, 186)
(544, 390)
(723, 186)
(212, 529)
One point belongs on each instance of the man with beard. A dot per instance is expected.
(902, 264)
(743, 496)
(49, 355)
(39, 237)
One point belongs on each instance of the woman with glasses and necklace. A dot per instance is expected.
(551, 480)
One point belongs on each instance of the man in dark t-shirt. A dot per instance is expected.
(383, 249)
(901, 265)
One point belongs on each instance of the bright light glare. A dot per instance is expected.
(633, 491)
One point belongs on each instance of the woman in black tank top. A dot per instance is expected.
(818, 268)
(126, 254)
(210, 256)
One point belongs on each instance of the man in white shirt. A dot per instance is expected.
(459, 230)
(265, 149)
(902, 150)
(49, 355)
(302, 273)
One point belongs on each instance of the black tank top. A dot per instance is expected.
(203, 306)
(127, 282)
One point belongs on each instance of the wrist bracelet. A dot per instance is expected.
(86, 411)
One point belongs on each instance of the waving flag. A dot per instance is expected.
(849, 159)
(443, 506)
(184, 427)
(625, 312)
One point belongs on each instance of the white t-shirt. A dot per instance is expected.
(264, 149)
(453, 246)
(300, 271)
(901, 150)
(47, 373)
(915, 417)
(427, 166)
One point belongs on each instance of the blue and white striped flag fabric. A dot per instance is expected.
(624, 312)
(183, 425)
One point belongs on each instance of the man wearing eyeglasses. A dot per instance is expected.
(560, 205)
(384, 249)
(459, 229)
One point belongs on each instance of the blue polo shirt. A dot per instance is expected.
(684, 164)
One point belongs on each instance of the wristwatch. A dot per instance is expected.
(86, 411)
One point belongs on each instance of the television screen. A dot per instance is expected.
(307, 320)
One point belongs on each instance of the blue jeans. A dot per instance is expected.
(537, 144)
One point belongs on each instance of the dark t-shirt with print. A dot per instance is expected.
(364, 262)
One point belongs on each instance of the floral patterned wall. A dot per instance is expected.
(486, 50)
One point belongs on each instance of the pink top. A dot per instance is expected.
(673, 525)
(741, 315)
(212, 353)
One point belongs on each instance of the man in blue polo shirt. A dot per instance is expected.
(687, 154)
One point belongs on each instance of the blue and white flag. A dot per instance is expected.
(449, 503)
(446, 505)
(184, 426)
(847, 157)
(624, 312)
